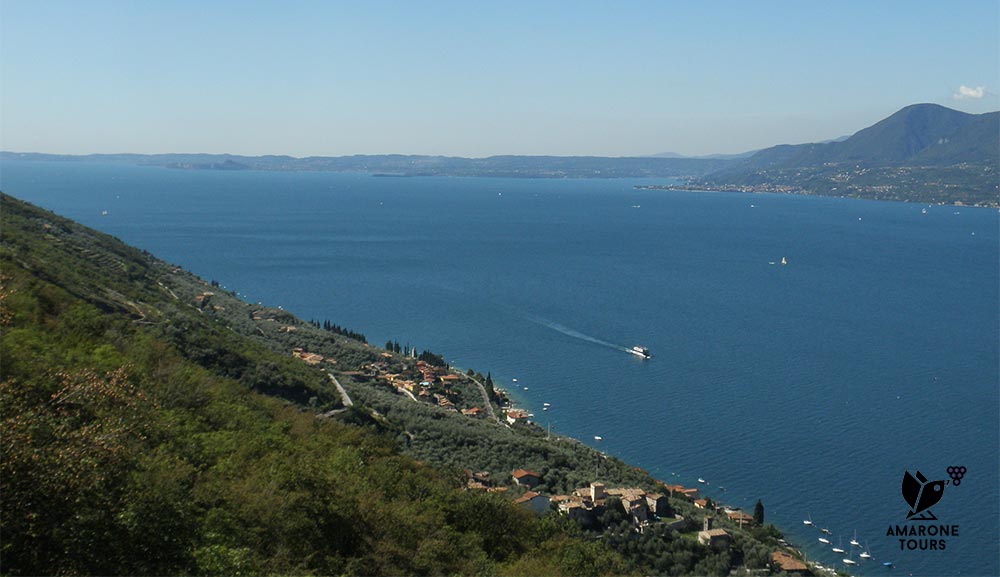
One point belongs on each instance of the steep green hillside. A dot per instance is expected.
(155, 424)
(136, 441)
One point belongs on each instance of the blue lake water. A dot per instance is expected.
(812, 386)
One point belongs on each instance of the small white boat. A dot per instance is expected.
(850, 562)
(700, 480)
(854, 541)
(825, 530)
(824, 540)
(598, 438)
(546, 405)
(640, 351)
(784, 261)
(866, 554)
(808, 522)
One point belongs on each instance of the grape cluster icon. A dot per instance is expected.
(956, 474)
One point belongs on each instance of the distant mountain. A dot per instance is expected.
(716, 156)
(921, 134)
(734, 156)
(924, 152)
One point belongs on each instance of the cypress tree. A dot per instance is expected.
(758, 514)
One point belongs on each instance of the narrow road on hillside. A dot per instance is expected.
(486, 398)
(343, 394)
(407, 393)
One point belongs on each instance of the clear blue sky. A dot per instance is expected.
(476, 78)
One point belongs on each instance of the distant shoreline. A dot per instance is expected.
(781, 189)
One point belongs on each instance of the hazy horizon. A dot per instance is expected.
(637, 79)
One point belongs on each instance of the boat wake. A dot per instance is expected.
(574, 333)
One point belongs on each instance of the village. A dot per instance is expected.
(710, 524)
(644, 511)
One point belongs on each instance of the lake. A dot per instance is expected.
(812, 385)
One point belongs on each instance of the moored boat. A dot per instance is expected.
(866, 554)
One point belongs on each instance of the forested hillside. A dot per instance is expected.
(155, 424)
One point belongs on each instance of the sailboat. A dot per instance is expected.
(854, 541)
(824, 540)
(865, 554)
(808, 522)
(849, 561)
(839, 548)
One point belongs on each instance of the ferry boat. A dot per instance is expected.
(640, 351)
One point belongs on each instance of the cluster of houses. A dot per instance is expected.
(588, 503)
(420, 381)
(641, 507)
(310, 358)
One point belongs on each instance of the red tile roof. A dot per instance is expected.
(786, 562)
(526, 497)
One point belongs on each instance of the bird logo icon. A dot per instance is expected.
(921, 494)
